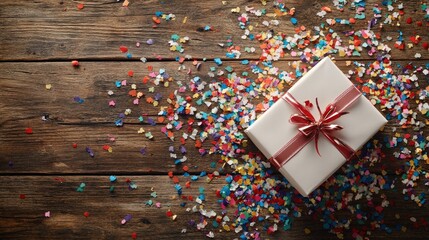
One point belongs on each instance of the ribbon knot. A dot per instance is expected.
(310, 127)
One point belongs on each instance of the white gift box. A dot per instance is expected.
(307, 170)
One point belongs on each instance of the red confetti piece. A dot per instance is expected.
(170, 174)
(130, 73)
(74, 145)
(123, 49)
(185, 168)
(409, 20)
(61, 180)
(86, 214)
(80, 6)
(308, 104)
(425, 45)
(134, 235)
(175, 179)
(169, 213)
(29, 131)
(145, 79)
(22, 196)
(75, 63)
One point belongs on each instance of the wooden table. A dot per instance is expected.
(42, 171)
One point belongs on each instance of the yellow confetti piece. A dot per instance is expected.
(185, 19)
(307, 231)
(235, 10)
(227, 228)
(48, 86)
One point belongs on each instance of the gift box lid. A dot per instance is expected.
(272, 130)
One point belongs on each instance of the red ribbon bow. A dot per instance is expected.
(311, 128)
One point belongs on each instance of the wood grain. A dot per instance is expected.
(24, 218)
(56, 30)
(40, 172)
(49, 149)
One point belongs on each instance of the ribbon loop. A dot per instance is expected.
(310, 128)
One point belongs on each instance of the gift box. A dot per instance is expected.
(315, 127)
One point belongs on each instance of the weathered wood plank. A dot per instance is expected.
(49, 149)
(57, 30)
(24, 218)
(25, 95)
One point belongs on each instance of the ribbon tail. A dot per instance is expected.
(316, 143)
(343, 148)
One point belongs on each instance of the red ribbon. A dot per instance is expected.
(310, 128)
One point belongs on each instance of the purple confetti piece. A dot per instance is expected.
(149, 41)
(192, 222)
(126, 219)
(78, 99)
(89, 150)
(183, 149)
(157, 96)
(143, 150)
(171, 149)
(151, 121)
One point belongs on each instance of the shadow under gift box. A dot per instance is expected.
(307, 170)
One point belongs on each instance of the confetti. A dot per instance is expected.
(126, 219)
(81, 187)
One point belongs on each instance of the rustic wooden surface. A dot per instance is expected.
(39, 39)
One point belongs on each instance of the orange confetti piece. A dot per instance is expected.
(198, 143)
(149, 100)
(161, 119)
(132, 93)
(156, 20)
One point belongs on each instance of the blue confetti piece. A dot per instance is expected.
(112, 178)
(218, 61)
(119, 122)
